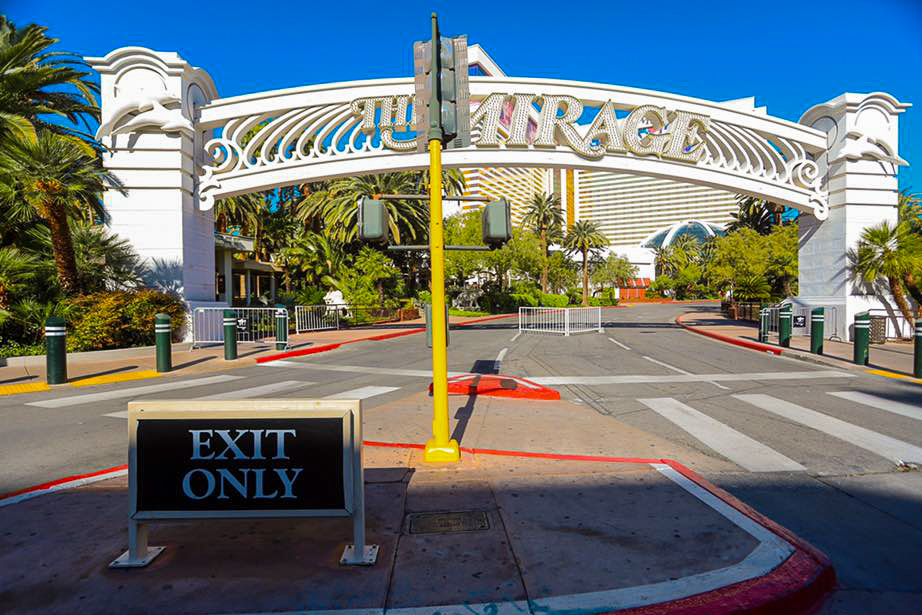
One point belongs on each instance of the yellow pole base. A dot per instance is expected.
(442, 453)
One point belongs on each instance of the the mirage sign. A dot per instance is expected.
(514, 120)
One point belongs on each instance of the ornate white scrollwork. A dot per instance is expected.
(362, 129)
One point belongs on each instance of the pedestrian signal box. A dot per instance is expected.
(373, 221)
(497, 223)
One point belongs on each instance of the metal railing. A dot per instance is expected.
(316, 318)
(897, 327)
(560, 321)
(253, 325)
(830, 313)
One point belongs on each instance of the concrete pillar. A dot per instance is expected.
(273, 287)
(247, 285)
(860, 171)
(149, 103)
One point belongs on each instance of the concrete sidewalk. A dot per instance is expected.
(137, 363)
(893, 356)
(499, 533)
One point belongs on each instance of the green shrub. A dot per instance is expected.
(120, 319)
(557, 301)
(14, 349)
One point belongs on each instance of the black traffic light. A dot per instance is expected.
(496, 219)
(374, 223)
(442, 83)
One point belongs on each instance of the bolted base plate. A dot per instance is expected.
(442, 453)
(368, 557)
(125, 561)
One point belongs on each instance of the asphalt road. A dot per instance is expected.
(817, 449)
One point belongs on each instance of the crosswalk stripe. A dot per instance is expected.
(75, 400)
(362, 393)
(896, 407)
(885, 446)
(735, 446)
(657, 378)
(273, 387)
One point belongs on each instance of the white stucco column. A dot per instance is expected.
(859, 168)
(150, 103)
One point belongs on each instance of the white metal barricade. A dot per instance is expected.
(316, 318)
(252, 325)
(897, 325)
(561, 321)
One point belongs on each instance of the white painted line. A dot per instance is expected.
(625, 346)
(896, 407)
(501, 355)
(647, 378)
(358, 369)
(273, 387)
(76, 400)
(362, 393)
(77, 482)
(121, 414)
(879, 444)
(516, 336)
(723, 439)
(681, 371)
(772, 551)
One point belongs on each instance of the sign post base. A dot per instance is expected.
(368, 557)
(449, 452)
(126, 561)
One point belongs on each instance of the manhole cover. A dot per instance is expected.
(447, 522)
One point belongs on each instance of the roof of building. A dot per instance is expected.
(702, 231)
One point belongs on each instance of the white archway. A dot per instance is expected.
(178, 147)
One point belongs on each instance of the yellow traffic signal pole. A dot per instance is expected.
(441, 448)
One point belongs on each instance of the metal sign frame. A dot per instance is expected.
(140, 554)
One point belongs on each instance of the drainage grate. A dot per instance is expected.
(448, 522)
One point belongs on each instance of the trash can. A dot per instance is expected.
(878, 329)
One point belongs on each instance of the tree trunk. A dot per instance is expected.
(544, 255)
(63, 247)
(585, 278)
(896, 289)
(915, 291)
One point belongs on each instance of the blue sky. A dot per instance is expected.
(789, 54)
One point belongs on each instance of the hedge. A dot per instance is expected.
(120, 319)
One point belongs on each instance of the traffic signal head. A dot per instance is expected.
(442, 81)
(497, 223)
(373, 221)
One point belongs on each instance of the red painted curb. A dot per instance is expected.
(491, 385)
(729, 339)
(797, 586)
(372, 338)
(60, 481)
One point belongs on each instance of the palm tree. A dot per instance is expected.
(544, 216)
(757, 214)
(35, 82)
(584, 237)
(337, 204)
(16, 271)
(317, 257)
(888, 253)
(55, 178)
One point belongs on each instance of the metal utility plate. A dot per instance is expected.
(448, 522)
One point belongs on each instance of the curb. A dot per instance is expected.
(728, 339)
(797, 586)
(372, 338)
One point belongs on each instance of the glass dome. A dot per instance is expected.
(702, 231)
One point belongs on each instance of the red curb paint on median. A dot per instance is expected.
(372, 338)
(497, 385)
(728, 339)
(796, 587)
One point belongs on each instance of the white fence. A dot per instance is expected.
(830, 324)
(897, 327)
(562, 321)
(251, 324)
(316, 317)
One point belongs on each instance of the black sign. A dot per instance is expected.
(247, 464)
(800, 321)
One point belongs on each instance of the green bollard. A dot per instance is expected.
(162, 336)
(230, 335)
(55, 351)
(785, 317)
(917, 353)
(817, 329)
(281, 328)
(862, 338)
